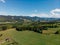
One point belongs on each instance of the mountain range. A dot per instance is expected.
(4, 18)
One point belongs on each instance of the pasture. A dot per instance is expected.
(29, 38)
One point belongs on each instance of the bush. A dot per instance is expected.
(57, 32)
(14, 26)
(44, 28)
(18, 28)
(4, 27)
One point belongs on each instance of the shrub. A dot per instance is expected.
(4, 27)
(18, 28)
(14, 26)
(57, 32)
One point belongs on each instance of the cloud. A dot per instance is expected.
(55, 13)
(41, 15)
(35, 13)
(3, 1)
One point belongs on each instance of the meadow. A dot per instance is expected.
(13, 37)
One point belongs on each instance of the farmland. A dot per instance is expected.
(31, 38)
(27, 37)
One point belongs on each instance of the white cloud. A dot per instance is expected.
(3, 1)
(40, 15)
(55, 13)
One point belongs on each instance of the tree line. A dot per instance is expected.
(34, 26)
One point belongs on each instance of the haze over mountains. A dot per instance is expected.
(4, 18)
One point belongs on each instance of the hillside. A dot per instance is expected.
(22, 18)
(29, 38)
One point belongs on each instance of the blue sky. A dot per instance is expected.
(41, 8)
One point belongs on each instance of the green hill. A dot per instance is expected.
(30, 38)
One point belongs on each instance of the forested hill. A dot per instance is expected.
(22, 18)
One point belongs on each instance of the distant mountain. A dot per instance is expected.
(22, 18)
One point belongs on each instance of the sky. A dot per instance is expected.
(40, 8)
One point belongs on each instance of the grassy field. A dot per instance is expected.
(29, 38)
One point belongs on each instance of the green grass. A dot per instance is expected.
(31, 38)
